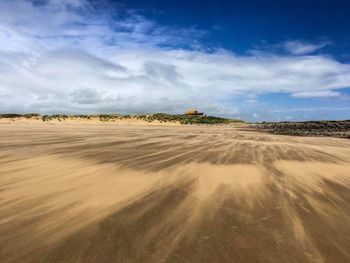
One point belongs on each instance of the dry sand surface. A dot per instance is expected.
(137, 193)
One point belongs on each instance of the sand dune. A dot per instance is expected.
(137, 193)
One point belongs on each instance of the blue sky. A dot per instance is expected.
(243, 25)
(256, 60)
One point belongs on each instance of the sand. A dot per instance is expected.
(92, 192)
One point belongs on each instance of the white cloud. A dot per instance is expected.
(311, 109)
(62, 57)
(316, 94)
(301, 48)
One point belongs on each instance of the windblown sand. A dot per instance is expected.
(124, 193)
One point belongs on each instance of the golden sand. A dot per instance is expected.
(92, 192)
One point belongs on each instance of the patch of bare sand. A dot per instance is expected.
(311, 176)
(44, 199)
(210, 177)
(321, 215)
(98, 193)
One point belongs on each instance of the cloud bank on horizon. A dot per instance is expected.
(71, 56)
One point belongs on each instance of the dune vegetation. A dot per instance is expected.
(157, 117)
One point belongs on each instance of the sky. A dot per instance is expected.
(254, 60)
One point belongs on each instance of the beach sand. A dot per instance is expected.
(95, 192)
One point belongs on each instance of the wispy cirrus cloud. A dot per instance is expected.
(68, 56)
(297, 47)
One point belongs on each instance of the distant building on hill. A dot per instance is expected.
(193, 112)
